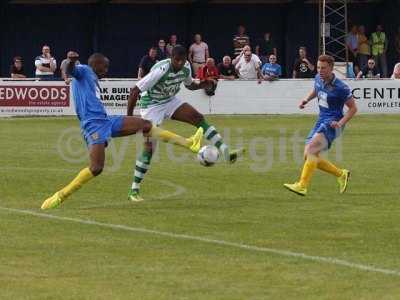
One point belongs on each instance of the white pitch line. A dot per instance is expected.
(328, 260)
(179, 190)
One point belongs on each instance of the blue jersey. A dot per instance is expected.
(86, 94)
(331, 98)
(271, 69)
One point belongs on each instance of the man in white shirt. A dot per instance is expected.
(198, 53)
(248, 69)
(240, 57)
(45, 64)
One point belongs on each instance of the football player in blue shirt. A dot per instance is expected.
(97, 127)
(333, 94)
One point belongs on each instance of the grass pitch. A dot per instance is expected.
(173, 245)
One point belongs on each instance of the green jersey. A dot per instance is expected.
(162, 83)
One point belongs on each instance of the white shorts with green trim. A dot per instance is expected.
(158, 113)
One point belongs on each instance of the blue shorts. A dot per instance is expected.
(324, 127)
(99, 131)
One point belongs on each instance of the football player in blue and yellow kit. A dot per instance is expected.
(97, 127)
(333, 94)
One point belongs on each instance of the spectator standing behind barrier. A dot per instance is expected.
(226, 69)
(45, 64)
(303, 68)
(370, 71)
(209, 72)
(240, 40)
(396, 72)
(352, 46)
(198, 53)
(397, 43)
(379, 44)
(147, 62)
(266, 47)
(271, 70)
(173, 41)
(162, 50)
(248, 68)
(17, 68)
(64, 64)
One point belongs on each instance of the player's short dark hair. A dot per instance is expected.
(179, 51)
(327, 58)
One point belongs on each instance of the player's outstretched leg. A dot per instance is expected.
(132, 125)
(188, 114)
(192, 143)
(211, 134)
(96, 167)
(342, 175)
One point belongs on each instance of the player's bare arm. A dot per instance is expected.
(351, 105)
(133, 98)
(308, 98)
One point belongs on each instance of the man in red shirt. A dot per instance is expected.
(209, 72)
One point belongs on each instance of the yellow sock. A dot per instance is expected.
(308, 169)
(168, 136)
(84, 176)
(329, 167)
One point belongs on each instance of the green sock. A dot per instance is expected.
(142, 166)
(211, 134)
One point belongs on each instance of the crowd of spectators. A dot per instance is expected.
(367, 56)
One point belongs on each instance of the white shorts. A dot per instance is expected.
(158, 113)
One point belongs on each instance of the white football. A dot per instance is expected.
(208, 155)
